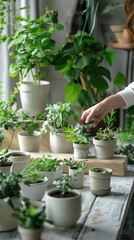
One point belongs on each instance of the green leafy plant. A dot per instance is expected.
(76, 135)
(98, 170)
(28, 214)
(9, 185)
(81, 60)
(4, 155)
(31, 176)
(79, 166)
(65, 185)
(58, 116)
(36, 50)
(108, 132)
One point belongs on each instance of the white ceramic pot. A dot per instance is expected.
(81, 151)
(34, 97)
(20, 160)
(7, 221)
(50, 176)
(34, 191)
(100, 181)
(59, 171)
(6, 168)
(104, 149)
(58, 144)
(63, 212)
(77, 178)
(29, 143)
(30, 234)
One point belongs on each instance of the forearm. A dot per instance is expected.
(114, 102)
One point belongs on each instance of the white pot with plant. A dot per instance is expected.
(34, 185)
(9, 188)
(34, 53)
(100, 180)
(105, 139)
(57, 117)
(76, 171)
(31, 217)
(79, 137)
(20, 160)
(63, 205)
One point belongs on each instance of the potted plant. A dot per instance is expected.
(5, 164)
(80, 139)
(9, 188)
(62, 202)
(56, 118)
(19, 161)
(33, 49)
(100, 180)
(76, 171)
(105, 139)
(30, 217)
(45, 164)
(81, 60)
(35, 184)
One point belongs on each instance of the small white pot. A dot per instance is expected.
(63, 212)
(20, 160)
(77, 178)
(29, 143)
(104, 149)
(58, 144)
(34, 97)
(34, 191)
(100, 182)
(81, 151)
(7, 221)
(30, 234)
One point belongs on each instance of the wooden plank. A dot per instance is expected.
(118, 164)
(107, 216)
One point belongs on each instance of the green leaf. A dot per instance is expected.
(72, 91)
(120, 80)
(86, 98)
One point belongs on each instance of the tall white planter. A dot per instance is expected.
(29, 143)
(34, 97)
(63, 212)
(81, 151)
(7, 221)
(58, 144)
(104, 149)
(20, 160)
(100, 181)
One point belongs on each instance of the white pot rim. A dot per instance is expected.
(25, 134)
(49, 192)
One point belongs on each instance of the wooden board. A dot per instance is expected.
(118, 164)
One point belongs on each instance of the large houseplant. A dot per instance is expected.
(33, 49)
(57, 117)
(81, 60)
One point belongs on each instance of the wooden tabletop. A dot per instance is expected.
(101, 218)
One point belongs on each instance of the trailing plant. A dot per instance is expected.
(108, 132)
(78, 166)
(58, 116)
(76, 135)
(36, 50)
(28, 214)
(10, 185)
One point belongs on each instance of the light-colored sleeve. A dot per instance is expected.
(128, 95)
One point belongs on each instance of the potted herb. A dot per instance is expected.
(76, 171)
(35, 184)
(33, 53)
(66, 199)
(100, 180)
(80, 139)
(56, 118)
(30, 217)
(9, 188)
(105, 139)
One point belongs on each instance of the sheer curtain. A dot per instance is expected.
(66, 11)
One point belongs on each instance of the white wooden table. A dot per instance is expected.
(101, 218)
